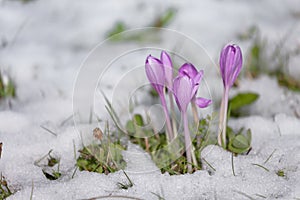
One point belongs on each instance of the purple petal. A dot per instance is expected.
(197, 79)
(182, 88)
(168, 67)
(188, 69)
(155, 73)
(202, 102)
(238, 61)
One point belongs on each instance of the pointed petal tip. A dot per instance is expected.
(202, 102)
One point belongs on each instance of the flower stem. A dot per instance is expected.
(188, 142)
(173, 114)
(195, 112)
(169, 128)
(223, 119)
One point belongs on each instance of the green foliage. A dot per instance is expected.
(256, 62)
(250, 33)
(203, 136)
(105, 157)
(118, 28)
(101, 158)
(125, 186)
(52, 175)
(164, 19)
(168, 157)
(280, 173)
(242, 99)
(160, 21)
(262, 58)
(153, 93)
(5, 190)
(7, 87)
(289, 82)
(48, 169)
(239, 101)
(239, 143)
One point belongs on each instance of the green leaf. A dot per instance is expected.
(53, 176)
(138, 119)
(165, 19)
(130, 127)
(239, 143)
(118, 28)
(242, 99)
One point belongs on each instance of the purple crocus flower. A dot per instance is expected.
(155, 71)
(230, 66)
(185, 87)
(191, 72)
(155, 74)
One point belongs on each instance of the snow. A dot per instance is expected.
(46, 46)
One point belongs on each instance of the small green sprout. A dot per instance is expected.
(280, 173)
(7, 86)
(239, 143)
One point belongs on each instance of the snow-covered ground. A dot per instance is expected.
(44, 43)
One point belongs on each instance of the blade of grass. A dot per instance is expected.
(48, 130)
(31, 193)
(36, 163)
(91, 115)
(232, 165)
(261, 196)
(158, 196)
(114, 197)
(113, 112)
(74, 172)
(244, 194)
(209, 164)
(270, 156)
(258, 165)
(66, 120)
(74, 149)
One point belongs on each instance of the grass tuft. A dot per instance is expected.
(7, 86)
(104, 156)
(5, 190)
(125, 186)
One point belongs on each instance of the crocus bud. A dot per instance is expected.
(168, 68)
(230, 64)
(155, 73)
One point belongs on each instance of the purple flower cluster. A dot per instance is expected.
(184, 88)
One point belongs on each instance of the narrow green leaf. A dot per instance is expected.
(242, 99)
